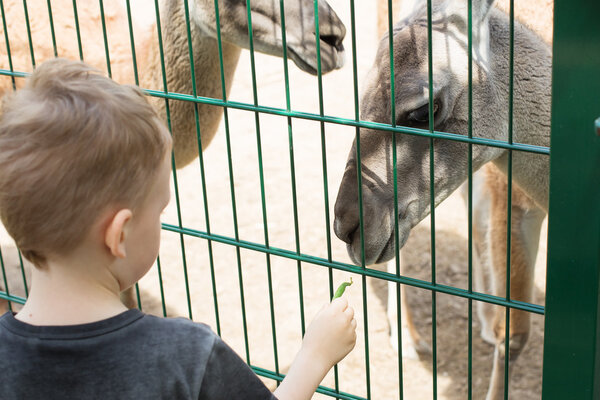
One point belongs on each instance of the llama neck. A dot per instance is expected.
(531, 101)
(179, 79)
(531, 82)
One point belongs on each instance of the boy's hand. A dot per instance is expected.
(330, 336)
(332, 333)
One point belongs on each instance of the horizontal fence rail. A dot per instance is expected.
(534, 308)
(526, 148)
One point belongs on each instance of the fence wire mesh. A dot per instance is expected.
(226, 211)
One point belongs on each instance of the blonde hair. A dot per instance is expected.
(72, 143)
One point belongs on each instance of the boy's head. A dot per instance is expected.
(73, 144)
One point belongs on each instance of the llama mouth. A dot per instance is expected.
(386, 252)
(380, 254)
(300, 63)
(332, 57)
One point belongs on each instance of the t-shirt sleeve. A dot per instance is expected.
(228, 377)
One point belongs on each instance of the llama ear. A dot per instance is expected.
(481, 9)
(481, 15)
(457, 12)
(405, 8)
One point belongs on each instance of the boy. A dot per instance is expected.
(84, 177)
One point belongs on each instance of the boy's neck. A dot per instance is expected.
(71, 293)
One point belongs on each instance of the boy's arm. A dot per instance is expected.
(329, 338)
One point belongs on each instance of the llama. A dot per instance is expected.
(301, 42)
(490, 97)
(266, 25)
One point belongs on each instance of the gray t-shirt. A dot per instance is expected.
(129, 356)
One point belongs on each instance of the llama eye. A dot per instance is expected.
(421, 114)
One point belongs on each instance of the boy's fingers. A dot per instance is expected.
(348, 314)
(340, 303)
(353, 323)
(349, 311)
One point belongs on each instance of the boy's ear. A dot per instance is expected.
(114, 235)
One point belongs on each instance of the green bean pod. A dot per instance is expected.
(340, 290)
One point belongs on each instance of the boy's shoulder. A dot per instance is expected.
(130, 325)
(178, 323)
(178, 327)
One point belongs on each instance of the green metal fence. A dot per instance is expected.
(571, 352)
(571, 345)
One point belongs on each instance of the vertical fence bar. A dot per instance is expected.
(202, 169)
(205, 201)
(259, 145)
(572, 323)
(132, 41)
(511, 65)
(432, 197)
(23, 276)
(28, 26)
(231, 183)
(181, 239)
(7, 41)
(292, 167)
(206, 210)
(105, 36)
(76, 18)
(168, 116)
(179, 214)
(5, 280)
(137, 82)
(51, 20)
(470, 202)
(33, 64)
(336, 377)
(162, 290)
(360, 200)
(395, 177)
(323, 145)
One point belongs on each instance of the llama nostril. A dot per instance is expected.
(345, 234)
(333, 40)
